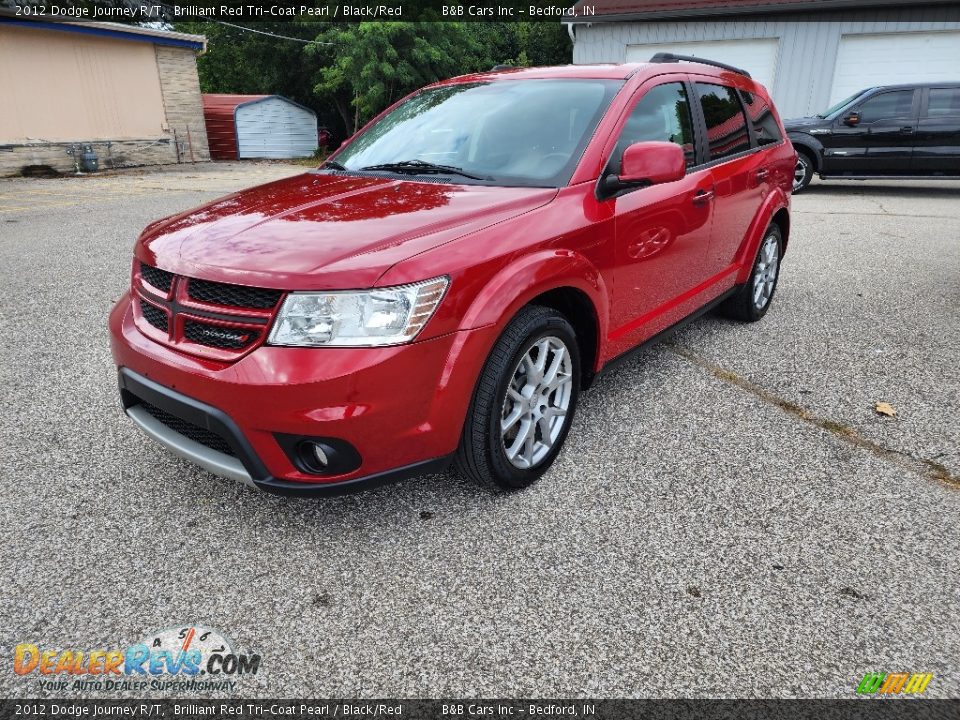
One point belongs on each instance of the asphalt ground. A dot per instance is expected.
(730, 516)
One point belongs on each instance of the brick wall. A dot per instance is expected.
(182, 101)
(110, 153)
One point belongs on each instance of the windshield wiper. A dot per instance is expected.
(332, 165)
(416, 167)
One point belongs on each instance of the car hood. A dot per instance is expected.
(802, 123)
(326, 231)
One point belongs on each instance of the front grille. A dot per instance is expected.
(205, 437)
(233, 295)
(218, 336)
(155, 316)
(235, 326)
(160, 279)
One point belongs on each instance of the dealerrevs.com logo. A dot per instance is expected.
(183, 659)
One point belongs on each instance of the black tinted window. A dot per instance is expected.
(662, 114)
(944, 101)
(887, 105)
(761, 117)
(726, 123)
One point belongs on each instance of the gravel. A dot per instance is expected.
(730, 517)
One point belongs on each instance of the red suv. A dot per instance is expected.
(448, 282)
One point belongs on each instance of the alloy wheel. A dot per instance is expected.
(765, 273)
(800, 173)
(536, 402)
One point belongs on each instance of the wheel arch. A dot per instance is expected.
(560, 279)
(810, 146)
(774, 210)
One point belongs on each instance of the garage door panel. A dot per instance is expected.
(758, 56)
(894, 58)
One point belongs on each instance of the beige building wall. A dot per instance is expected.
(68, 86)
(135, 102)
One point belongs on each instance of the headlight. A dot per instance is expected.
(381, 316)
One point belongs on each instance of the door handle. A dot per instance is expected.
(703, 197)
(762, 174)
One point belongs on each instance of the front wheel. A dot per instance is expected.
(524, 401)
(803, 171)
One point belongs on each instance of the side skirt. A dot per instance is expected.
(889, 177)
(663, 334)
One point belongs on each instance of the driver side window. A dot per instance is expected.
(897, 104)
(662, 114)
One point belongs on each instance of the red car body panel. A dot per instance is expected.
(641, 262)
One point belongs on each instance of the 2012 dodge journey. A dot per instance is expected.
(449, 281)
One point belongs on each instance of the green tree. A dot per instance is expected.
(367, 66)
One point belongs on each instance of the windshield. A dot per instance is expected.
(508, 132)
(842, 104)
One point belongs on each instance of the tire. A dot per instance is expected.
(750, 304)
(485, 448)
(803, 173)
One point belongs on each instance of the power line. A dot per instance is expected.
(274, 35)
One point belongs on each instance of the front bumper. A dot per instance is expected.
(402, 408)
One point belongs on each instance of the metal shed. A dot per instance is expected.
(258, 126)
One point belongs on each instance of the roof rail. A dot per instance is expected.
(670, 57)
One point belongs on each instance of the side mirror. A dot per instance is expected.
(853, 119)
(647, 163)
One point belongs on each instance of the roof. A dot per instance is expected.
(612, 71)
(609, 71)
(614, 10)
(221, 102)
(217, 101)
(118, 31)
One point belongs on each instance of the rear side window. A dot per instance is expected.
(895, 104)
(761, 118)
(944, 101)
(663, 114)
(726, 124)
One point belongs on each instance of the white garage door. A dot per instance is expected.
(757, 56)
(892, 58)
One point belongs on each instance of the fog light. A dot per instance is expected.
(320, 455)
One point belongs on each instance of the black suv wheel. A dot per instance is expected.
(803, 173)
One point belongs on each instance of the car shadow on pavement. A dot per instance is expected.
(857, 187)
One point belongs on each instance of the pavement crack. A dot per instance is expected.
(924, 467)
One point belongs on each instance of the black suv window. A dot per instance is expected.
(726, 124)
(887, 105)
(943, 101)
(761, 117)
(662, 114)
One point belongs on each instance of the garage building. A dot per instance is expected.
(131, 93)
(808, 53)
(258, 126)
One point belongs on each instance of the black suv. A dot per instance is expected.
(904, 131)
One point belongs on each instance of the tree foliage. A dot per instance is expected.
(352, 71)
(370, 65)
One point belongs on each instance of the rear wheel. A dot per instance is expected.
(524, 401)
(803, 171)
(752, 300)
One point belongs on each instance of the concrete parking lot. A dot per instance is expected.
(730, 516)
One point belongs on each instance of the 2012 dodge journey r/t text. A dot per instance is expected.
(446, 284)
